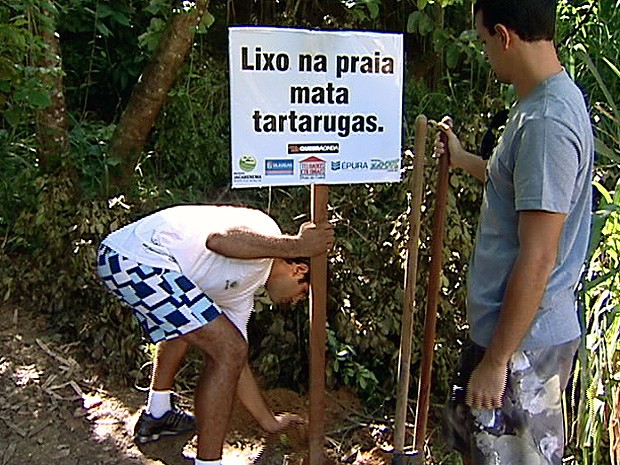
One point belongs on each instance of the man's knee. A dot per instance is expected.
(221, 341)
(232, 355)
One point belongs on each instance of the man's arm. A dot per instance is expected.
(469, 162)
(539, 237)
(244, 243)
(252, 399)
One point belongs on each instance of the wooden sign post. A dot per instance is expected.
(318, 333)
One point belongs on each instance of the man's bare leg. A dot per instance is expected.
(168, 358)
(225, 352)
(160, 417)
(166, 364)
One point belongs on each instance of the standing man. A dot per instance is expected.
(531, 243)
(189, 273)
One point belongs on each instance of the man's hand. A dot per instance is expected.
(487, 385)
(459, 157)
(283, 421)
(454, 144)
(315, 239)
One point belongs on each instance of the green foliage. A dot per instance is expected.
(589, 42)
(160, 12)
(584, 27)
(599, 360)
(88, 149)
(102, 60)
(344, 369)
(607, 114)
(18, 166)
(22, 87)
(48, 261)
(364, 10)
(420, 22)
(191, 150)
(287, 329)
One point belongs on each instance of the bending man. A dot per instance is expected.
(189, 273)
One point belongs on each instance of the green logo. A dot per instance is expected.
(247, 163)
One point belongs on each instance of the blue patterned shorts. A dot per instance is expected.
(528, 429)
(166, 303)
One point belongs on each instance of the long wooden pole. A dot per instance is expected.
(318, 333)
(432, 297)
(406, 334)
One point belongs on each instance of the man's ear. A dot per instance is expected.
(300, 269)
(504, 34)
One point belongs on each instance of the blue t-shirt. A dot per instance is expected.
(543, 162)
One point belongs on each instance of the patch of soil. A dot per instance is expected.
(55, 409)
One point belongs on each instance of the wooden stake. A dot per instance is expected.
(318, 333)
(404, 364)
(432, 297)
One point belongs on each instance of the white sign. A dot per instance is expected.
(310, 107)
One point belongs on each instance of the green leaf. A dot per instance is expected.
(12, 116)
(426, 24)
(207, 20)
(588, 61)
(103, 10)
(602, 149)
(153, 8)
(468, 35)
(452, 56)
(121, 18)
(613, 67)
(412, 22)
(35, 98)
(40, 99)
(104, 30)
(113, 161)
(373, 9)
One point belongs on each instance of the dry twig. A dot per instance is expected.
(68, 362)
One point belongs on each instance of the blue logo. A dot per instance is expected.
(278, 167)
(349, 165)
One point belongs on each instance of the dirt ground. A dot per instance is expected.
(54, 409)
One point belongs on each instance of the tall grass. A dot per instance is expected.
(598, 367)
(599, 360)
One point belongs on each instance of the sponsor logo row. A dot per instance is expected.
(310, 168)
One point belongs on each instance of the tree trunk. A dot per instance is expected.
(150, 93)
(51, 122)
(438, 69)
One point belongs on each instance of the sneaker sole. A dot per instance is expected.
(155, 437)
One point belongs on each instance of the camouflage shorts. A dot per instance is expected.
(528, 429)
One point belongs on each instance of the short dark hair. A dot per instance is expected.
(306, 261)
(532, 20)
